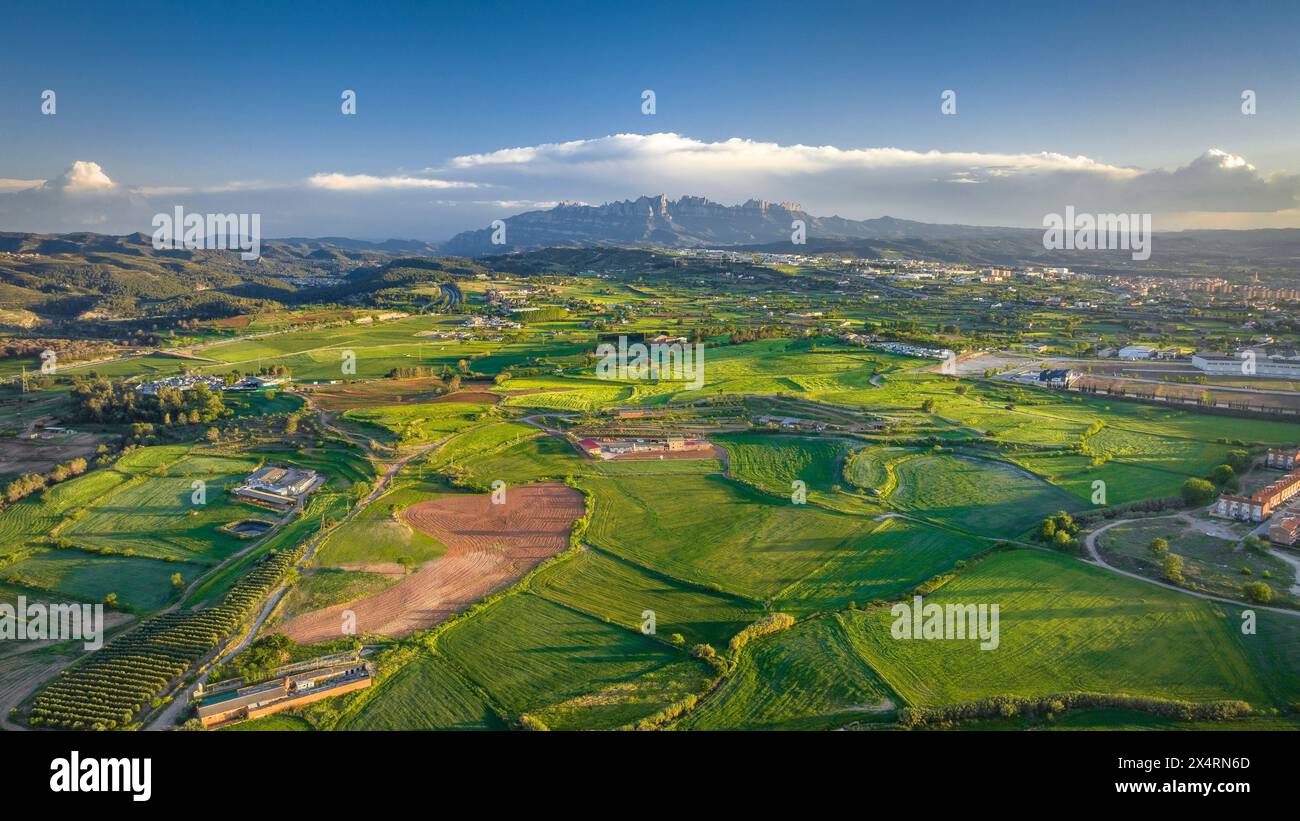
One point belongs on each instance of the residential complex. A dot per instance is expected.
(1261, 504)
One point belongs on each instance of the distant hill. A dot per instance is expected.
(86, 277)
(410, 247)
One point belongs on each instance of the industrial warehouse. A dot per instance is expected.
(279, 488)
(265, 698)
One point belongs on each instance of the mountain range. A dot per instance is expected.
(696, 222)
(688, 222)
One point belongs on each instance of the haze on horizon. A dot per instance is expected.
(465, 115)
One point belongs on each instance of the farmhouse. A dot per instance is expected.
(665, 339)
(1058, 377)
(253, 383)
(672, 443)
(790, 422)
(278, 487)
(265, 698)
(490, 322)
(508, 296)
(637, 413)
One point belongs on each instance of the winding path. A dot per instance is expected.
(1095, 558)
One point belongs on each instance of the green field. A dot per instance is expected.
(1066, 627)
(414, 424)
(983, 496)
(155, 514)
(140, 584)
(327, 586)
(512, 651)
(378, 535)
(128, 528)
(895, 557)
(807, 678)
(425, 694)
(621, 592)
(718, 533)
(773, 463)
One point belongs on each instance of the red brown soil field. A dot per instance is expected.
(488, 547)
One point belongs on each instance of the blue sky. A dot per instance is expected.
(169, 96)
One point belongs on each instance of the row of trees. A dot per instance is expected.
(29, 483)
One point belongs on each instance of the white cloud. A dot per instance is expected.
(162, 190)
(991, 188)
(519, 204)
(367, 182)
(84, 177)
(674, 153)
(9, 186)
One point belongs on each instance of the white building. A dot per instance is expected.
(1058, 377)
(1248, 363)
(1136, 352)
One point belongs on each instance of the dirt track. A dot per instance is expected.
(488, 547)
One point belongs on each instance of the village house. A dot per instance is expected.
(1058, 377)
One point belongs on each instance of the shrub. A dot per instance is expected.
(1257, 592)
(533, 724)
(774, 623)
(1172, 568)
(1197, 492)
